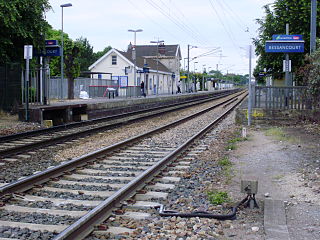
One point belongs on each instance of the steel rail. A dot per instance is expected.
(85, 225)
(53, 172)
(114, 116)
(30, 146)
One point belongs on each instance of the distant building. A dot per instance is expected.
(157, 66)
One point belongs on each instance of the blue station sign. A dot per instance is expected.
(281, 37)
(52, 52)
(51, 42)
(284, 46)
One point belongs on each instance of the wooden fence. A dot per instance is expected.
(281, 98)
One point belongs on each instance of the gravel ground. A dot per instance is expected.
(53, 156)
(38, 218)
(25, 233)
(285, 160)
(170, 138)
(299, 150)
(301, 185)
(10, 124)
(190, 194)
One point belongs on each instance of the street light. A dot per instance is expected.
(157, 42)
(195, 79)
(134, 55)
(190, 47)
(204, 71)
(62, 6)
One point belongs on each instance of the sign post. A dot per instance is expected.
(27, 56)
(285, 44)
(250, 89)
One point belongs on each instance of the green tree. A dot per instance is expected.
(99, 54)
(72, 62)
(294, 12)
(86, 52)
(21, 22)
(309, 75)
(71, 59)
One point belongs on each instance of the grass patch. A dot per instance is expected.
(278, 177)
(232, 142)
(278, 134)
(237, 139)
(218, 197)
(224, 162)
(230, 147)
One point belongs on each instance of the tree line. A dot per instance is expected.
(22, 22)
(305, 66)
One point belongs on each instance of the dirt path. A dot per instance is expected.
(286, 164)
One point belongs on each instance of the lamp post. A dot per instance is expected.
(204, 70)
(195, 79)
(134, 55)
(157, 42)
(190, 47)
(61, 84)
(313, 26)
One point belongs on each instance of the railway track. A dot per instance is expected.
(18, 144)
(69, 200)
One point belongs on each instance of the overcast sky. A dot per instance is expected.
(225, 25)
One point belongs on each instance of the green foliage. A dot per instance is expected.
(99, 54)
(21, 22)
(218, 197)
(309, 75)
(231, 147)
(224, 162)
(277, 133)
(86, 52)
(236, 139)
(32, 94)
(294, 12)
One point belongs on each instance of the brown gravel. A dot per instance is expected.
(10, 124)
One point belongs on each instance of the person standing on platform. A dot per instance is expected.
(179, 87)
(142, 89)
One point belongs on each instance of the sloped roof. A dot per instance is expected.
(152, 50)
(151, 63)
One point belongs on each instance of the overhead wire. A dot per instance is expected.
(228, 32)
(181, 25)
(155, 22)
(237, 19)
(183, 16)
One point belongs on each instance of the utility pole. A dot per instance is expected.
(62, 62)
(250, 90)
(313, 26)
(188, 67)
(157, 42)
(134, 55)
(189, 64)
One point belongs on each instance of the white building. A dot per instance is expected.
(157, 66)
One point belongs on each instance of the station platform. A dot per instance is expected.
(66, 111)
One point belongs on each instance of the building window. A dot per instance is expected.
(114, 60)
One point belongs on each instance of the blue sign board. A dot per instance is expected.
(279, 37)
(52, 51)
(285, 47)
(51, 42)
